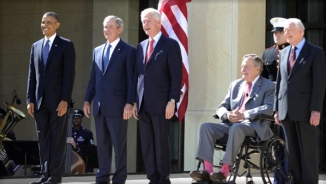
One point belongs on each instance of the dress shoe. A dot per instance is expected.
(200, 175)
(219, 177)
(50, 181)
(101, 182)
(40, 181)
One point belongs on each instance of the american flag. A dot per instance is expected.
(175, 25)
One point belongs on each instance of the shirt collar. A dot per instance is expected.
(156, 37)
(114, 43)
(51, 39)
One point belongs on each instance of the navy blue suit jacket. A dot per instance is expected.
(111, 89)
(159, 80)
(53, 82)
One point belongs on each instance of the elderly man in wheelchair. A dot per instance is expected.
(247, 100)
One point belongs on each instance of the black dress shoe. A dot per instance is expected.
(40, 181)
(50, 181)
(217, 177)
(200, 176)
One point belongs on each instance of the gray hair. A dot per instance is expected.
(257, 61)
(118, 21)
(296, 22)
(52, 14)
(153, 11)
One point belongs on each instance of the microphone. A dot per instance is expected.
(18, 101)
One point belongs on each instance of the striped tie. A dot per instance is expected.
(150, 50)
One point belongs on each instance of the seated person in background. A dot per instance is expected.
(81, 136)
(246, 98)
(10, 135)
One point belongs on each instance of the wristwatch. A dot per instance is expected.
(172, 101)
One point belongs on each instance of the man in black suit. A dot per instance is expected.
(299, 94)
(110, 89)
(158, 82)
(49, 88)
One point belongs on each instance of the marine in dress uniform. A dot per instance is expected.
(271, 54)
(271, 60)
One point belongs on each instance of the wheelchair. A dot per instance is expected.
(269, 159)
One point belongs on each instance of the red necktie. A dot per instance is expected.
(245, 97)
(292, 58)
(150, 50)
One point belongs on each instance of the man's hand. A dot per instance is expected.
(71, 141)
(87, 109)
(30, 109)
(314, 118)
(62, 108)
(235, 116)
(169, 110)
(127, 111)
(276, 119)
(134, 111)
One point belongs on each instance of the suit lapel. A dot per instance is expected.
(285, 60)
(256, 88)
(115, 53)
(303, 53)
(99, 60)
(157, 48)
(54, 47)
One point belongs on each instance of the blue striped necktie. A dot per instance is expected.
(46, 52)
(106, 58)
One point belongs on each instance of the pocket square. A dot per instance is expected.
(158, 54)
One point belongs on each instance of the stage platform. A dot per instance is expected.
(176, 178)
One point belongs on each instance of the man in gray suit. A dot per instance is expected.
(247, 97)
(299, 94)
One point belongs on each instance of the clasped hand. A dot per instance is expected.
(235, 116)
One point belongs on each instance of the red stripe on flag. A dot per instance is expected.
(176, 27)
(182, 36)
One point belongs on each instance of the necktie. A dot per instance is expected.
(245, 97)
(46, 52)
(292, 58)
(150, 50)
(106, 58)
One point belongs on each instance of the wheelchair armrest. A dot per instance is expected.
(265, 117)
(259, 116)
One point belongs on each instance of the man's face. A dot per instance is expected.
(279, 38)
(151, 26)
(293, 34)
(111, 31)
(77, 121)
(248, 70)
(49, 26)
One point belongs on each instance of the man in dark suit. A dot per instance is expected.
(50, 83)
(271, 61)
(110, 89)
(299, 94)
(158, 82)
(247, 98)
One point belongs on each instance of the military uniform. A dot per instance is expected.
(82, 136)
(271, 59)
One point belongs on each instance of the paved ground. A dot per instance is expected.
(179, 178)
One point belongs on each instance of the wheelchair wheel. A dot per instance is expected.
(273, 158)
